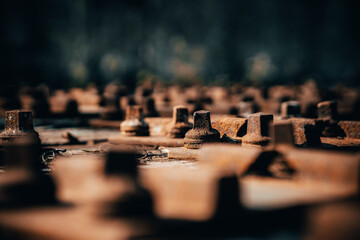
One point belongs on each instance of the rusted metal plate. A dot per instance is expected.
(351, 128)
(101, 123)
(306, 132)
(191, 196)
(232, 127)
(230, 159)
(157, 125)
(68, 223)
(83, 135)
(328, 167)
(183, 153)
(310, 165)
(149, 141)
(270, 193)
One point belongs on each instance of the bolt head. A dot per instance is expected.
(19, 123)
(202, 120)
(180, 114)
(327, 110)
(134, 125)
(134, 112)
(258, 129)
(19, 120)
(180, 124)
(202, 131)
(290, 109)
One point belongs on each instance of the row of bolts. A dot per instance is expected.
(19, 122)
(202, 132)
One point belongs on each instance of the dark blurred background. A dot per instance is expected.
(71, 43)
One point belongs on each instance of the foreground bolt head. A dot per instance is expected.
(257, 129)
(134, 125)
(290, 109)
(121, 162)
(23, 154)
(25, 184)
(202, 131)
(180, 123)
(136, 201)
(19, 124)
(327, 110)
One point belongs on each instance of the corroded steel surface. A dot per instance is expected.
(150, 184)
(150, 141)
(231, 127)
(183, 153)
(350, 128)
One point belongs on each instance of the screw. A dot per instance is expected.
(257, 129)
(180, 122)
(327, 110)
(202, 131)
(134, 125)
(19, 124)
(290, 109)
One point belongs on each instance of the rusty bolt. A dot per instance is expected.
(111, 103)
(134, 125)
(202, 131)
(246, 108)
(290, 109)
(282, 133)
(327, 110)
(305, 133)
(180, 123)
(257, 129)
(19, 124)
(149, 107)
